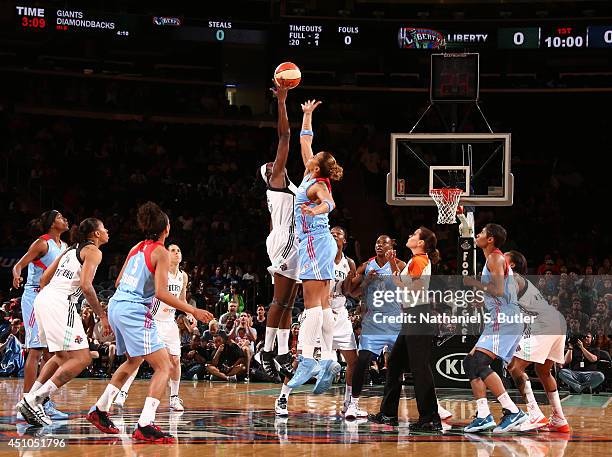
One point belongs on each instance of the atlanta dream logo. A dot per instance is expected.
(451, 367)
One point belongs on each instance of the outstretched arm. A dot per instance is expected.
(282, 150)
(306, 134)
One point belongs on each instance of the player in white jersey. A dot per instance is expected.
(282, 250)
(60, 327)
(542, 344)
(168, 331)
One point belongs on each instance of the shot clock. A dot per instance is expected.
(564, 36)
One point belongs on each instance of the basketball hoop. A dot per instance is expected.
(447, 200)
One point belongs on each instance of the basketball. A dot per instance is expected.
(288, 75)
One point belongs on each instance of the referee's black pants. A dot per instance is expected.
(411, 351)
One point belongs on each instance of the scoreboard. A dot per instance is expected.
(325, 34)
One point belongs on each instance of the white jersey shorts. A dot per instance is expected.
(539, 348)
(168, 332)
(59, 324)
(282, 247)
(344, 337)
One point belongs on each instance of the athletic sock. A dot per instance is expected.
(348, 390)
(507, 403)
(555, 402)
(282, 337)
(285, 391)
(483, 408)
(148, 412)
(532, 404)
(327, 335)
(104, 402)
(355, 401)
(310, 331)
(37, 385)
(174, 387)
(39, 395)
(269, 341)
(128, 384)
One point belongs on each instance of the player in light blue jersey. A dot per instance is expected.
(317, 250)
(498, 339)
(144, 275)
(40, 255)
(375, 277)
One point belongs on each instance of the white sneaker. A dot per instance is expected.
(444, 413)
(345, 406)
(280, 406)
(120, 399)
(353, 412)
(176, 403)
(33, 413)
(534, 422)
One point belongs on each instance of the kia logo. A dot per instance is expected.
(451, 367)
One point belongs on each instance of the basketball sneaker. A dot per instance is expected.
(510, 421)
(280, 406)
(307, 368)
(101, 420)
(268, 366)
(382, 419)
(176, 403)
(53, 412)
(286, 364)
(444, 413)
(557, 424)
(353, 412)
(33, 414)
(120, 399)
(534, 422)
(480, 424)
(329, 370)
(153, 434)
(426, 425)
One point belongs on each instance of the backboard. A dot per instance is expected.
(478, 163)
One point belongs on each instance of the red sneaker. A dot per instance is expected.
(101, 420)
(153, 434)
(556, 424)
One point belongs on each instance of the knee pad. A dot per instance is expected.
(468, 367)
(282, 304)
(482, 363)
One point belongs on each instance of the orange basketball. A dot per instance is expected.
(288, 75)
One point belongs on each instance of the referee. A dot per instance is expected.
(412, 349)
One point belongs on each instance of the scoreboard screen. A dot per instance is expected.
(324, 34)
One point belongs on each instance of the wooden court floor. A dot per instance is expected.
(238, 420)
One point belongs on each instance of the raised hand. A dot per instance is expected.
(280, 92)
(310, 105)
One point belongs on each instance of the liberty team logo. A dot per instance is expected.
(413, 38)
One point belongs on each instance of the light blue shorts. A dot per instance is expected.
(32, 340)
(134, 328)
(317, 254)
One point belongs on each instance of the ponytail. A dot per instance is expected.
(431, 242)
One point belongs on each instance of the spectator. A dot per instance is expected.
(580, 368)
(260, 323)
(195, 359)
(185, 332)
(218, 280)
(576, 313)
(229, 360)
(293, 338)
(212, 331)
(106, 346)
(88, 320)
(232, 309)
(236, 296)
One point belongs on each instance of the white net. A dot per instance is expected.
(447, 200)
